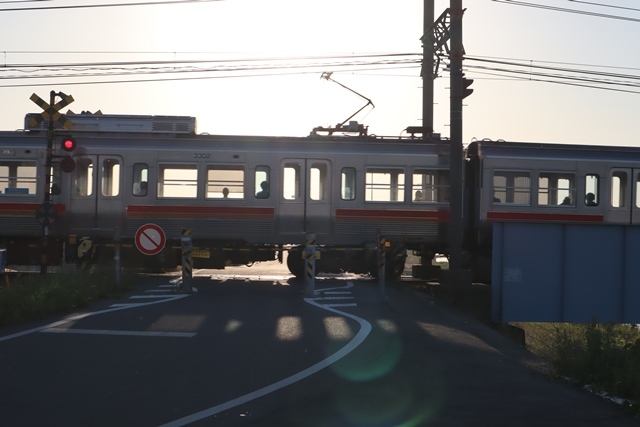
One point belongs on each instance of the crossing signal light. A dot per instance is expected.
(465, 87)
(68, 144)
(67, 164)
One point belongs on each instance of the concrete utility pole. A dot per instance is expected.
(456, 274)
(427, 71)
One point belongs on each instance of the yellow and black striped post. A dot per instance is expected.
(381, 264)
(187, 260)
(310, 254)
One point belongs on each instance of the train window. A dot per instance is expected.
(592, 190)
(637, 184)
(618, 189)
(178, 180)
(512, 187)
(110, 177)
(556, 188)
(140, 179)
(18, 177)
(262, 180)
(83, 174)
(384, 185)
(430, 185)
(291, 181)
(225, 182)
(348, 184)
(318, 181)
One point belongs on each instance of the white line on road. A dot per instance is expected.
(120, 333)
(82, 316)
(329, 298)
(365, 329)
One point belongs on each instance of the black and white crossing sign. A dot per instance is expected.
(51, 112)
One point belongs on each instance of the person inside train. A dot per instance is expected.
(419, 197)
(566, 201)
(142, 189)
(264, 193)
(590, 199)
(225, 192)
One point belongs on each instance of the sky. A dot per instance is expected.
(254, 67)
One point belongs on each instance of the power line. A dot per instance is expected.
(561, 9)
(605, 5)
(89, 6)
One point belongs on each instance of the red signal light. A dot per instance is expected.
(68, 144)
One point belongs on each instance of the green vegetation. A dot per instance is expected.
(33, 296)
(605, 357)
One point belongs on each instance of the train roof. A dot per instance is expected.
(502, 148)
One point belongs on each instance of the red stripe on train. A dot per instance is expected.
(391, 215)
(547, 217)
(146, 211)
(28, 209)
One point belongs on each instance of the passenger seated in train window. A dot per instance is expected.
(225, 192)
(142, 191)
(496, 199)
(590, 199)
(566, 201)
(264, 193)
(419, 197)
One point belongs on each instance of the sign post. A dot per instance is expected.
(51, 112)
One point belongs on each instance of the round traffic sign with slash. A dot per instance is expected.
(150, 239)
(46, 214)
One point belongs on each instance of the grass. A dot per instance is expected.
(605, 357)
(33, 296)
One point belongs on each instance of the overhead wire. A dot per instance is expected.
(90, 6)
(562, 9)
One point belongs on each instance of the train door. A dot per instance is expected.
(96, 193)
(623, 206)
(305, 199)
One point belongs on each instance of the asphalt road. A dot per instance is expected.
(255, 352)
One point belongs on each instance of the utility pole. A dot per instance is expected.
(456, 275)
(427, 71)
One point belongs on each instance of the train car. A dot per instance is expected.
(243, 198)
(548, 183)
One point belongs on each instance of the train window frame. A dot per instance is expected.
(140, 181)
(592, 187)
(262, 180)
(348, 183)
(430, 185)
(554, 192)
(189, 183)
(110, 177)
(618, 189)
(318, 181)
(83, 176)
(226, 184)
(15, 181)
(506, 194)
(378, 190)
(291, 180)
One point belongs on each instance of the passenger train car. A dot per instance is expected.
(243, 198)
(548, 183)
(246, 199)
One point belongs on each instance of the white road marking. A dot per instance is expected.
(82, 316)
(329, 298)
(342, 305)
(120, 333)
(365, 329)
(148, 296)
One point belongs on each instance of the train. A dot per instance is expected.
(247, 199)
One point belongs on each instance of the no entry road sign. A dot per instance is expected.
(150, 239)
